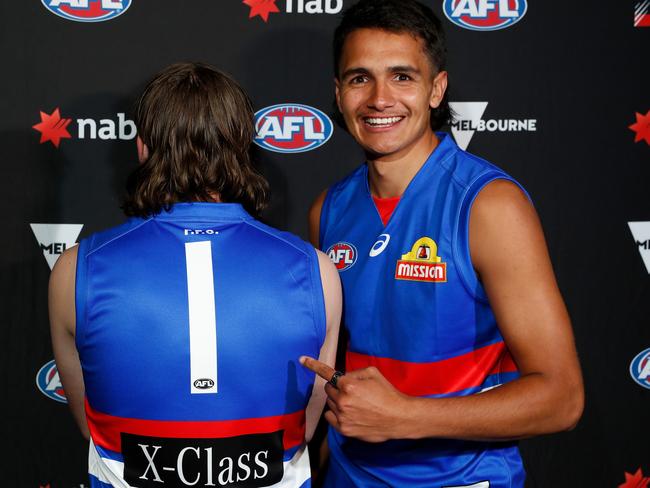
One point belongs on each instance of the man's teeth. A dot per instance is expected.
(383, 120)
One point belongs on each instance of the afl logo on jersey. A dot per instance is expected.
(87, 10)
(204, 384)
(47, 380)
(640, 369)
(422, 263)
(343, 255)
(292, 128)
(485, 15)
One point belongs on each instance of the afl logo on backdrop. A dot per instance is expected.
(47, 380)
(640, 369)
(87, 10)
(343, 255)
(291, 128)
(485, 15)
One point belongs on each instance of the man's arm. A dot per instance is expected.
(332, 296)
(509, 253)
(62, 328)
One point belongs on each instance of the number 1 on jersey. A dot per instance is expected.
(202, 317)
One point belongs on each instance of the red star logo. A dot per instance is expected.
(642, 127)
(262, 8)
(636, 480)
(53, 128)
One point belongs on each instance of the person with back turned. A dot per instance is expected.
(177, 334)
(459, 341)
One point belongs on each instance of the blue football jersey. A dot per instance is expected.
(415, 309)
(189, 328)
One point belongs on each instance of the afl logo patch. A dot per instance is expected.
(204, 384)
(48, 382)
(485, 15)
(640, 369)
(87, 10)
(343, 255)
(291, 128)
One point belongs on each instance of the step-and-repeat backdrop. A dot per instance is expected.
(556, 93)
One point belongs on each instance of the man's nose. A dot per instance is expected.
(381, 96)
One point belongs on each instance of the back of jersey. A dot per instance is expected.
(189, 329)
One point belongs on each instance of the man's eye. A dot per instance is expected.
(358, 79)
(402, 77)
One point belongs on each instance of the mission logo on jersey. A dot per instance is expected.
(343, 255)
(422, 263)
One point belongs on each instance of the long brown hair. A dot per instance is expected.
(197, 124)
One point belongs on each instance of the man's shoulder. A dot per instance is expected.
(99, 239)
(466, 167)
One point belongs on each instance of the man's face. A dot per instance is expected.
(386, 90)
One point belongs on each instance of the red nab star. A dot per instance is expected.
(642, 127)
(636, 480)
(53, 128)
(262, 8)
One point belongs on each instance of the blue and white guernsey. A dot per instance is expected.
(415, 309)
(189, 329)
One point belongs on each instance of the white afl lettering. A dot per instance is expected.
(202, 315)
(379, 246)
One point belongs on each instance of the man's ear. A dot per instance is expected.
(439, 89)
(143, 150)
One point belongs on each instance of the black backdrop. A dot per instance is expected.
(573, 74)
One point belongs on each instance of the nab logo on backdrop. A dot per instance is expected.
(485, 15)
(48, 382)
(263, 8)
(54, 239)
(642, 126)
(87, 10)
(640, 368)
(641, 233)
(53, 128)
(468, 119)
(291, 128)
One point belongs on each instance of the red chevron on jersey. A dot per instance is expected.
(446, 376)
(106, 429)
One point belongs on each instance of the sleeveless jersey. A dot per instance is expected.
(189, 329)
(415, 309)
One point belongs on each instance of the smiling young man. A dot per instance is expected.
(459, 340)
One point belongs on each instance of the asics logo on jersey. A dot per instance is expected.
(422, 263)
(343, 255)
(379, 246)
(253, 460)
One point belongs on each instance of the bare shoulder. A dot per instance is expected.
(504, 225)
(65, 266)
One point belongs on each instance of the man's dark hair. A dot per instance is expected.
(399, 16)
(197, 124)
